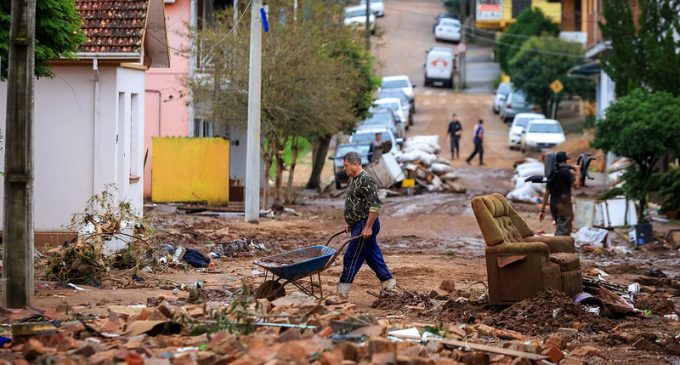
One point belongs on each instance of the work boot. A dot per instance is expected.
(389, 285)
(343, 290)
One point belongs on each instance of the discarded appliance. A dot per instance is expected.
(386, 171)
(640, 234)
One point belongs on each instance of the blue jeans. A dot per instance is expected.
(364, 249)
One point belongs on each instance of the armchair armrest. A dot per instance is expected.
(519, 248)
(555, 243)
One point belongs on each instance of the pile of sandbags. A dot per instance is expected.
(524, 191)
(420, 161)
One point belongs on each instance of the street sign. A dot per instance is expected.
(461, 48)
(556, 86)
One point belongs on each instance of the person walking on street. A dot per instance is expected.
(558, 190)
(377, 147)
(454, 132)
(479, 143)
(362, 207)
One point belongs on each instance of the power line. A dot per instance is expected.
(233, 29)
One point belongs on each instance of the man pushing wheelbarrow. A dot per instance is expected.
(362, 207)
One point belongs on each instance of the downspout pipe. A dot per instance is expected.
(193, 23)
(96, 120)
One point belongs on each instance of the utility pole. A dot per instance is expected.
(368, 25)
(254, 98)
(18, 203)
(462, 58)
(235, 16)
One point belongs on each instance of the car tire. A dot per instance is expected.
(338, 185)
(496, 111)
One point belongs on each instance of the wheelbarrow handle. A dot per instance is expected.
(333, 236)
(338, 251)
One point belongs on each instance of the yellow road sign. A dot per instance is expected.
(556, 86)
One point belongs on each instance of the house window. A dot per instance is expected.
(203, 128)
(134, 124)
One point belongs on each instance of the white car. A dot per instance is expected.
(395, 105)
(368, 136)
(401, 82)
(501, 93)
(377, 7)
(448, 30)
(355, 17)
(542, 133)
(517, 128)
(439, 66)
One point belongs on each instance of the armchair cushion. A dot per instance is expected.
(567, 261)
(520, 248)
(498, 220)
(555, 243)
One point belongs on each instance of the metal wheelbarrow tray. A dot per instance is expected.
(292, 266)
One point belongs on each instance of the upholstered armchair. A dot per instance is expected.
(518, 263)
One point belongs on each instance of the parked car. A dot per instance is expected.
(516, 102)
(404, 83)
(517, 128)
(500, 95)
(448, 30)
(382, 118)
(377, 7)
(443, 16)
(355, 17)
(395, 105)
(439, 66)
(542, 133)
(396, 93)
(368, 136)
(363, 149)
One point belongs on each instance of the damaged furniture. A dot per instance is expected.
(518, 263)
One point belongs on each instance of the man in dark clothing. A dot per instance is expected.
(362, 207)
(558, 190)
(454, 132)
(478, 139)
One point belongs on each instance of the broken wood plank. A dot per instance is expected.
(494, 350)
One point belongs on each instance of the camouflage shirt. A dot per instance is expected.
(362, 197)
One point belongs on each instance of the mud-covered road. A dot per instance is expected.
(426, 238)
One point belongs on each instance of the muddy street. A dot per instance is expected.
(431, 242)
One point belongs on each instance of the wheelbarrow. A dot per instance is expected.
(291, 267)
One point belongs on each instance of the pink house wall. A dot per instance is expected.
(167, 111)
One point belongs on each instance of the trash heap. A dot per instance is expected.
(250, 331)
(421, 162)
(524, 191)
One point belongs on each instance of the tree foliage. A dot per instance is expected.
(530, 22)
(316, 78)
(643, 126)
(541, 61)
(58, 33)
(644, 50)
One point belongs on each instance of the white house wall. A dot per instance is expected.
(74, 157)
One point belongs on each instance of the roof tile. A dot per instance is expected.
(113, 26)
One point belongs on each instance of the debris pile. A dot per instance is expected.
(403, 299)
(421, 162)
(547, 312)
(524, 191)
(110, 236)
(249, 331)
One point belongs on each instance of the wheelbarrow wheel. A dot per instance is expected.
(270, 290)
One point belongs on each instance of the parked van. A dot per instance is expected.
(439, 66)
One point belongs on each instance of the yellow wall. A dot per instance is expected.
(552, 10)
(190, 170)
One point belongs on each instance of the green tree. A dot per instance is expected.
(643, 126)
(309, 87)
(530, 22)
(642, 55)
(58, 33)
(542, 61)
